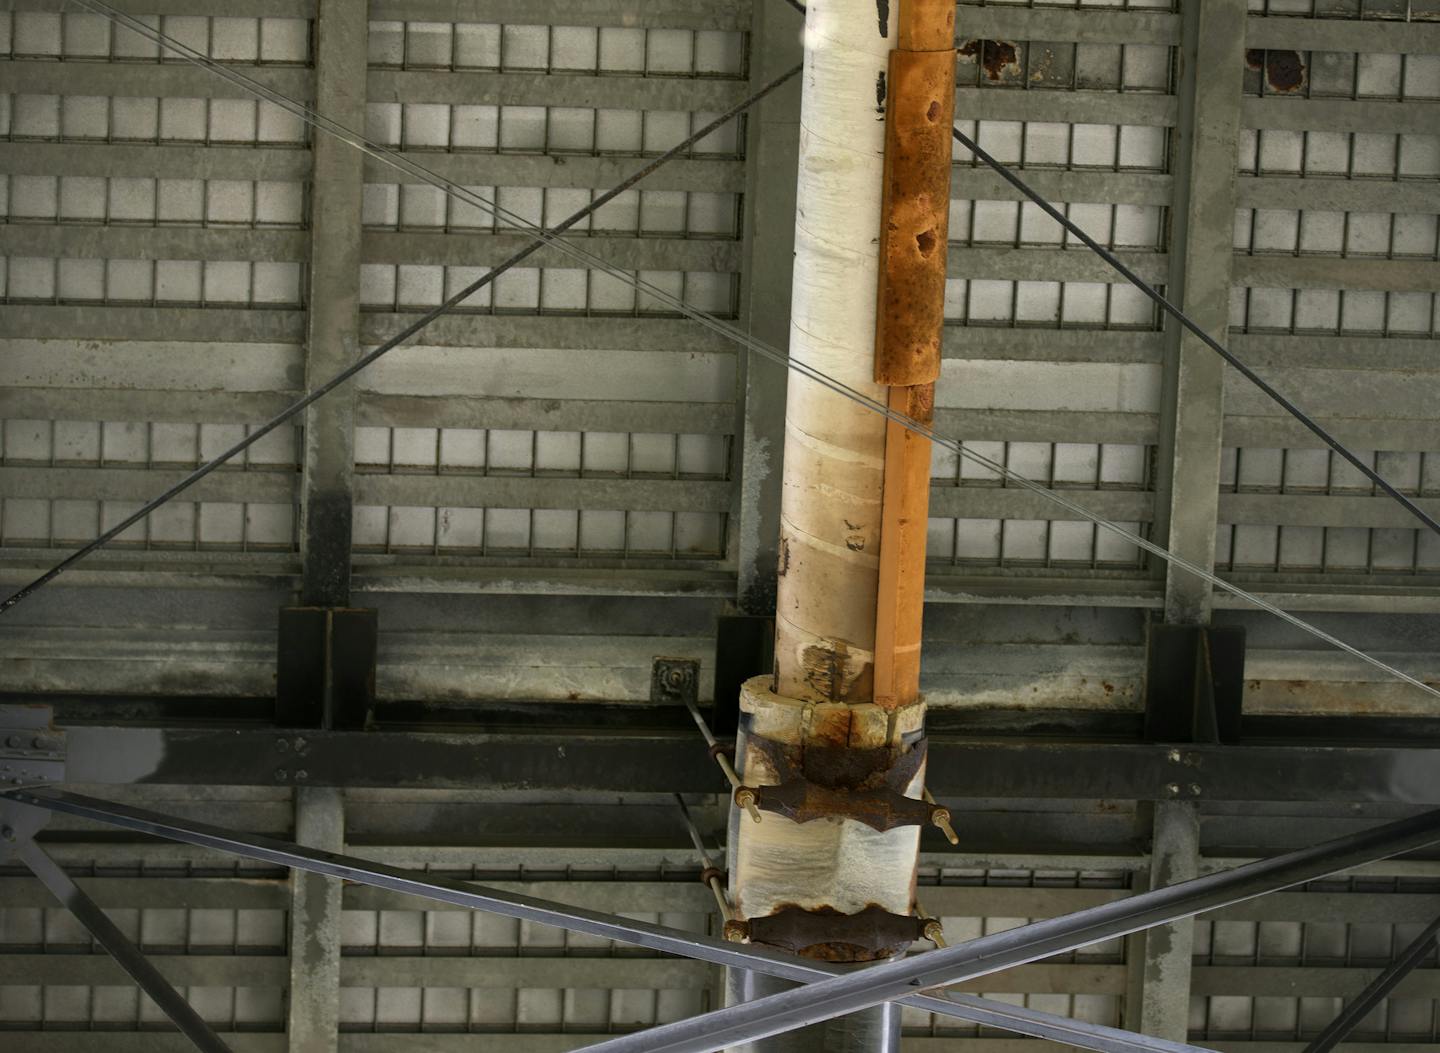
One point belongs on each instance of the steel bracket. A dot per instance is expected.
(866, 785)
(675, 681)
(827, 935)
(32, 753)
(1194, 683)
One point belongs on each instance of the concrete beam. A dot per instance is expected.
(313, 1007)
(1165, 1005)
(333, 329)
(1192, 399)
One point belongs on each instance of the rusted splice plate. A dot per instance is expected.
(866, 785)
(830, 936)
(915, 217)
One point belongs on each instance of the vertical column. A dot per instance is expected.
(333, 326)
(1165, 983)
(772, 147)
(1204, 152)
(313, 1017)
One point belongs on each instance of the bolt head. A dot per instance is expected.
(1195, 789)
(281, 774)
(302, 775)
(7, 833)
(1174, 756)
(1173, 789)
(14, 742)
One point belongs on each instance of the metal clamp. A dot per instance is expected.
(866, 785)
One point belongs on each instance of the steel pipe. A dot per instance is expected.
(623, 930)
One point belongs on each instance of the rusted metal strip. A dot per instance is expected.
(914, 230)
(915, 217)
(905, 508)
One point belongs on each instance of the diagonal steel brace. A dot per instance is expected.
(1386, 981)
(751, 1021)
(623, 930)
(129, 957)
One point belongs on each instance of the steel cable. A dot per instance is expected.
(705, 319)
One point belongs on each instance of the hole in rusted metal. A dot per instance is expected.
(1284, 70)
(932, 112)
(926, 242)
(993, 55)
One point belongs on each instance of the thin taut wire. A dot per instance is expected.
(1214, 345)
(389, 345)
(744, 339)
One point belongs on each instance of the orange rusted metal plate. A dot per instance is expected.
(915, 217)
(926, 25)
(903, 528)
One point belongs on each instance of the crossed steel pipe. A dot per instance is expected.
(828, 991)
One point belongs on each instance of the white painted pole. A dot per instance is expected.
(834, 449)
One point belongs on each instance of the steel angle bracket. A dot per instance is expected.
(32, 754)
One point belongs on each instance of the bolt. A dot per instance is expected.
(281, 774)
(300, 745)
(7, 833)
(302, 775)
(282, 745)
(13, 742)
(1173, 789)
(737, 931)
(1195, 789)
(934, 932)
(747, 798)
(1174, 756)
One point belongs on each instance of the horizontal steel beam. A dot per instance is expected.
(969, 183)
(1006, 263)
(1337, 115)
(1082, 107)
(485, 169)
(665, 761)
(501, 491)
(450, 411)
(119, 323)
(1342, 34)
(668, 14)
(1037, 344)
(479, 87)
(1084, 27)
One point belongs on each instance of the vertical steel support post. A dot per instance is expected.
(313, 1013)
(772, 145)
(1165, 968)
(1204, 148)
(333, 299)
